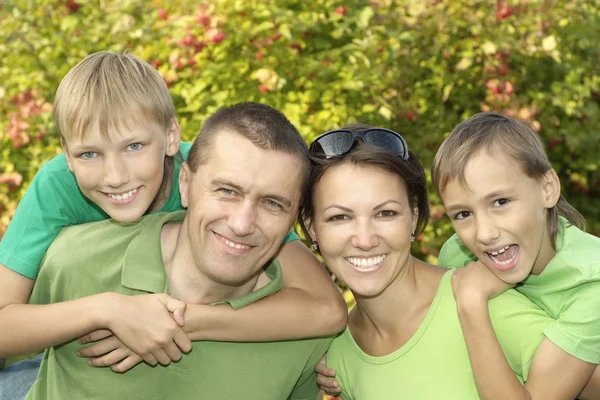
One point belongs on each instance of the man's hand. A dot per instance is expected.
(476, 281)
(326, 378)
(108, 352)
(150, 326)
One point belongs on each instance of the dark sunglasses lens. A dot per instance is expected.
(386, 140)
(333, 144)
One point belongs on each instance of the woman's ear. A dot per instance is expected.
(551, 188)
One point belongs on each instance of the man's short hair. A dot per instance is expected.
(263, 125)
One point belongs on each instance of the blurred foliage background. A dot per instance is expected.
(415, 66)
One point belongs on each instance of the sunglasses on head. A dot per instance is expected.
(341, 141)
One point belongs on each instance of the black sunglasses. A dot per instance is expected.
(341, 141)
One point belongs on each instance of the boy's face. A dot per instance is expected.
(501, 215)
(122, 173)
(241, 203)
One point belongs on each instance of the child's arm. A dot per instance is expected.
(310, 305)
(554, 374)
(26, 328)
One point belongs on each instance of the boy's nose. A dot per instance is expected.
(115, 173)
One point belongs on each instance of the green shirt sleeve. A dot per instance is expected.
(454, 254)
(307, 388)
(52, 201)
(577, 329)
(291, 236)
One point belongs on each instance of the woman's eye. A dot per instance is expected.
(462, 215)
(88, 155)
(134, 146)
(387, 213)
(337, 218)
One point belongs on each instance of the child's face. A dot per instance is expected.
(122, 173)
(501, 215)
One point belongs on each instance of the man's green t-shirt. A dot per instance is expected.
(568, 289)
(126, 258)
(434, 363)
(53, 201)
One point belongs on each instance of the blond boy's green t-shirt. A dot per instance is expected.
(127, 258)
(568, 289)
(53, 201)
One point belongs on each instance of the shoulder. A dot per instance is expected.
(579, 251)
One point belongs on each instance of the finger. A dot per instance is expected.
(173, 351)
(128, 363)
(177, 308)
(161, 356)
(94, 336)
(103, 347)
(327, 383)
(182, 341)
(149, 358)
(178, 317)
(331, 392)
(109, 359)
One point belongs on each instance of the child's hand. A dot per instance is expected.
(477, 282)
(149, 325)
(325, 378)
(108, 352)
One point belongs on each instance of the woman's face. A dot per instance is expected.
(363, 223)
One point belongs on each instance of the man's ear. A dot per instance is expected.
(173, 138)
(63, 144)
(551, 188)
(185, 174)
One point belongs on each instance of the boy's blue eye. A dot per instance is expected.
(134, 146)
(88, 155)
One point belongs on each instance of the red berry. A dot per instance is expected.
(218, 37)
(156, 63)
(341, 10)
(162, 14)
(259, 55)
(410, 115)
(263, 88)
(203, 19)
(73, 5)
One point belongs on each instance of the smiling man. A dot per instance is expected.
(241, 185)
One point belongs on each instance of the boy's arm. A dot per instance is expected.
(26, 328)
(554, 374)
(310, 305)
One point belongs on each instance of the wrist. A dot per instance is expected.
(105, 308)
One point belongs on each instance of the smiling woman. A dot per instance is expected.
(364, 204)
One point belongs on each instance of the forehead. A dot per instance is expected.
(357, 184)
(113, 130)
(234, 158)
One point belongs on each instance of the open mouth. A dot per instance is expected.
(235, 246)
(122, 198)
(366, 263)
(505, 257)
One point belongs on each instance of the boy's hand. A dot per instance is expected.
(149, 325)
(108, 352)
(325, 378)
(477, 282)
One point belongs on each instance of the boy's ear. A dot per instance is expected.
(551, 188)
(63, 144)
(173, 138)
(184, 176)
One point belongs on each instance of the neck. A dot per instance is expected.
(186, 281)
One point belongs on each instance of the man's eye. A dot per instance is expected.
(273, 204)
(226, 192)
(88, 155)
(134, 146)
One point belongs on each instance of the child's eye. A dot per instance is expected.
(135, 146)
(339, 217)
(462, 215)
(88, 155)
(501, 202)
(387, 214)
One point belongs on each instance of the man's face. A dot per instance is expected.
(122, 173)
(241, 203)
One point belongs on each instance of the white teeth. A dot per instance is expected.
(234, 245)
(362, 262)
(495, 253)
(122, 196)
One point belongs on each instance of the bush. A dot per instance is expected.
(418, 67)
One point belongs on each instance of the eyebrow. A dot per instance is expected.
(281, 199)
(385, 203)
(340, 207)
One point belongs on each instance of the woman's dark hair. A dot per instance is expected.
(365, 155)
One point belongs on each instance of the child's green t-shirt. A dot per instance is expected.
(53, 201)
(568, 289)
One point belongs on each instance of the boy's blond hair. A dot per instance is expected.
(498, 134)
(113, 91)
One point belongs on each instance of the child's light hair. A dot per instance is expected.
(112, 91)
(497, 134)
